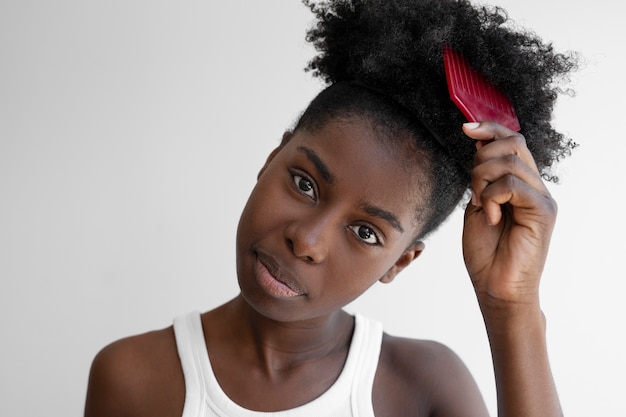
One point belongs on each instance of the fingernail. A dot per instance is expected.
(471, 125)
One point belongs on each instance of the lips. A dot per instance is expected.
(274, 280)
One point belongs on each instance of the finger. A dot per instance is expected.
(492, 170)
(512, 145)
(487, 131)
(494, 140)
(521, 197)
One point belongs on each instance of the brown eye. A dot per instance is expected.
(305, 186)
(366, 234)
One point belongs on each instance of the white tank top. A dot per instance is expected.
(350, 395)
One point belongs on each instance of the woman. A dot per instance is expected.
(375, 163)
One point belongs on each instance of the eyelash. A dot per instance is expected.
(355, 229)
(296, 184)
(297, 177)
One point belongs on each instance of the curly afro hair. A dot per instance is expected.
(383, 59)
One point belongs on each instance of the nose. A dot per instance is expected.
(308, 238)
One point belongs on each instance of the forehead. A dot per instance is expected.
(368, 166)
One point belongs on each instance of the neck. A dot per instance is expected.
(278, 346)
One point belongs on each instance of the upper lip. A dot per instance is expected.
(280, 273)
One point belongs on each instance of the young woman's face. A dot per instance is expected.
(333, 212)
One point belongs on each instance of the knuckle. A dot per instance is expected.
(512, 161)
(519, 142)
(552, 206)
(510, 181)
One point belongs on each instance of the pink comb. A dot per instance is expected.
(477, 98)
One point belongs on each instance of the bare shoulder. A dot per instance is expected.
(137, 376)
(424, 378)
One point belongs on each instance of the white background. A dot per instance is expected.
(130, 136)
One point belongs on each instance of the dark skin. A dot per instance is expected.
(332, 213)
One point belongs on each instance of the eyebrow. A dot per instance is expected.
(329, 178)
(319, 164)
(383, 214)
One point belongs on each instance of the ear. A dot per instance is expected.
(408, 256)
(286, 137)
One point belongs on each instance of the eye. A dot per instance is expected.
(366, 234)
(304, 185)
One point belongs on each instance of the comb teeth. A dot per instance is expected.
(478, 99)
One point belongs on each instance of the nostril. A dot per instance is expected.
(292, 247)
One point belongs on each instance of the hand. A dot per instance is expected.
(509, 221)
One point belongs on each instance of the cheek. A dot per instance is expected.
(264, 209)
(358, 271)
(367, 269)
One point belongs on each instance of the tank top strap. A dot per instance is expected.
(370, 333)
(193, 357)
(350, 395)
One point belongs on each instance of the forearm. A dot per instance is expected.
(524, 382)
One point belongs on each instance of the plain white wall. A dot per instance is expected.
(130, 136)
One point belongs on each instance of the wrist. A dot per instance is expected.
(517, 338)
(506, 317)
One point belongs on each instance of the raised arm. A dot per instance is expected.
(507, 231)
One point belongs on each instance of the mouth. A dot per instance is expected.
(274, 280)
